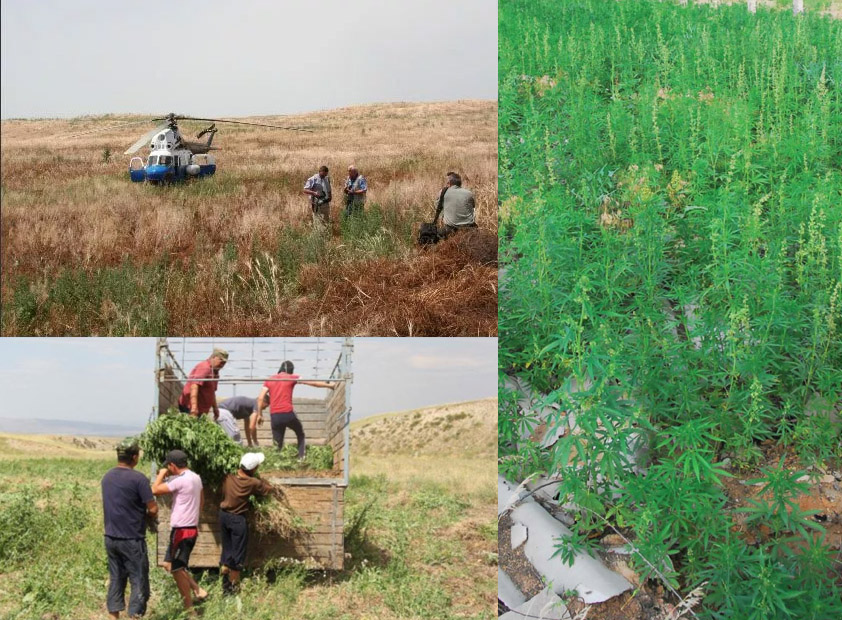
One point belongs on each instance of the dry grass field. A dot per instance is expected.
(420, 531)
(87, 252)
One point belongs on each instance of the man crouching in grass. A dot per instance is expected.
(126, 502)
(187, 499)
(237, 489)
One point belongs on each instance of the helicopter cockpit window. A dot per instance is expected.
(153, 159)
(165, 160)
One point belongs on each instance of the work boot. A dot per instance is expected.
(227, 586)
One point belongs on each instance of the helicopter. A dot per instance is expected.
(172, 157)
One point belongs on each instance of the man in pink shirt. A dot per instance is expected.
(280, 404)
(199, 397)
(185, 486)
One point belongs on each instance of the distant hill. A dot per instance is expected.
(467, 429)
(461, 429)
(28, 446)
(39, 426)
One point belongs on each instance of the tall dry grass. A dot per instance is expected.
(200, 253)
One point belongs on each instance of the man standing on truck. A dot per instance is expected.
(127, 501)
(185, 486)
(355, 190)
(198, 396)
(317, 188)
(243, 408)
(236, 490)
(456, 207)
(279, 387)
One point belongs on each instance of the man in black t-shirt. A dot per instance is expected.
(127, 502)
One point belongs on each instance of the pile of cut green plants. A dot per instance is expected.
(316, 459)
(213, 455)
(671, 215)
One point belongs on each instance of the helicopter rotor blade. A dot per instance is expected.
(222, 120)
(144, 140)
(101, 129)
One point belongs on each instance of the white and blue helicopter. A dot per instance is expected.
(172, 158)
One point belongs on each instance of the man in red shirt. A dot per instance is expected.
(199, 397)
(280, 404)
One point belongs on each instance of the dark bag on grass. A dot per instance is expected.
(429, 233)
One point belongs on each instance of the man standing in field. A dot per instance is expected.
(456, 207)
(317, 188)
(243, 408)
(127, 501)
(198, 397)
(279, 387)
(355, 191)
(236, 490)
(185, 487)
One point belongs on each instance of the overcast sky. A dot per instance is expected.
(223, 58)
(111, 380)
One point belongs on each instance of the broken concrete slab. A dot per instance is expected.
(508, 494)
(508, 592)
(518, 532)
(588, 576)
(544, 488)
(531, 401)
(819, 405)
(546, 604)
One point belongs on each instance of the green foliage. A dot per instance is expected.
(55, 563)
(212, 454)
(316, 458)
(672, 245)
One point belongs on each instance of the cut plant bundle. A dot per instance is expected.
(212, 455)
(273, 516)
(671, 206)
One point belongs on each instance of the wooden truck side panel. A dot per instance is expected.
(321, 546)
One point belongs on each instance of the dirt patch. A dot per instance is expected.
(515, 563)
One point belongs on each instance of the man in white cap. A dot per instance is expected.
(236, 490)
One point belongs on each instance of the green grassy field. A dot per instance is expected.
(671, 234)
(422, 544)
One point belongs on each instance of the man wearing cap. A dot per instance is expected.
(279, 389)
(236, 490)
(185, 486)
(243, 408)
(198, 396)
(127, 501)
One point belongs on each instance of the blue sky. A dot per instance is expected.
(111, 380)
(222, 58)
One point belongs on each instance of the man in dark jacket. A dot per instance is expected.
(127, 502)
